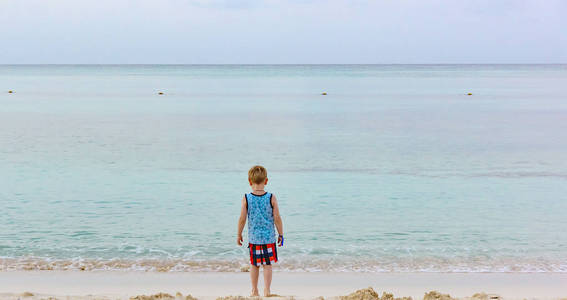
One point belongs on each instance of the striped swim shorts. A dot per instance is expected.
(263, 254)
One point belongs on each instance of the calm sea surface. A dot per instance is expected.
(396, 169)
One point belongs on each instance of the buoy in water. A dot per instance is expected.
(324, 93)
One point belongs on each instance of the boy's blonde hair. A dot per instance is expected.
(257, 174)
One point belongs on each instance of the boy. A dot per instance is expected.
(263, 213)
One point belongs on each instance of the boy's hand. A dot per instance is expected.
(280, 240)
(239, 240)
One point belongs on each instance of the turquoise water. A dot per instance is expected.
(396, 169)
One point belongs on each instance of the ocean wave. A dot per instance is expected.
(503, 265)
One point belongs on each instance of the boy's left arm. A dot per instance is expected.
(277, 219)
(241, 222)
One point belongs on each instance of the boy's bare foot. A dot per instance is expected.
(267, 293)
(254, 293)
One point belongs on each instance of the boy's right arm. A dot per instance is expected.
(241, 221)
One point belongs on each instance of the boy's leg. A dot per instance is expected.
(254, 272)
(267, 280)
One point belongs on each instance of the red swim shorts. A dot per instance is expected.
(263, 254)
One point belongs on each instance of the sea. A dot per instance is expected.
(377, 168)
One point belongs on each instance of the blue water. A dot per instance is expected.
(395, 169)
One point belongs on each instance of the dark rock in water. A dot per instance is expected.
(470, 94)
(10, 92)
(324, 93)
(160, 93)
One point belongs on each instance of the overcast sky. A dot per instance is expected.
(295, 31)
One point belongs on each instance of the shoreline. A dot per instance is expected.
(210, 285)
(425, 264)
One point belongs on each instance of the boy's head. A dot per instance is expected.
(257, 175)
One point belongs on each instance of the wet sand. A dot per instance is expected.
(124, 285)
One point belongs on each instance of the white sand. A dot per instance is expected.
(116, 284)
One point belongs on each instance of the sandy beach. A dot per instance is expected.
(124, 285)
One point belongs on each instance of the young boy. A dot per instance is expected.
(263, 213)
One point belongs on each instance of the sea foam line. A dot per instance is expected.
(291, 265)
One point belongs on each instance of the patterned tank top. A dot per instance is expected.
(260, 219)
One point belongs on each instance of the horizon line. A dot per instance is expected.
(271, 64)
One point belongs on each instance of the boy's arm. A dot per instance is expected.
(241, 221)
(277, 217)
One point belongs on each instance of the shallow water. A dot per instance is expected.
(396, 169)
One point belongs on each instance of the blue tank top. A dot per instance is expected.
(260, 219)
